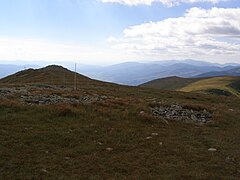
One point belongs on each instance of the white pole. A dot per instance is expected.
(75, 77)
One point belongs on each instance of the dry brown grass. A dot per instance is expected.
(111, 139)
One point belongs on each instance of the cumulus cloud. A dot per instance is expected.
(168, 3)
(199, 32)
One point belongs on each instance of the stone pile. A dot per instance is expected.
(30, 95)
(91, 99)
(178, 113)
(45, 99)
(4, 92)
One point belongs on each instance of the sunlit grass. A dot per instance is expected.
(110, 139)
(212, 83)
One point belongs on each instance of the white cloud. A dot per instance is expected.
(168, 3)
(42, 50)
(201, 33)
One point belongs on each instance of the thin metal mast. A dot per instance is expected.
(75, 77)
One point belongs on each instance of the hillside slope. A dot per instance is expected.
(107, 131)
(117, 132)
(216, 85)
(51, 75)
(225, 85)
(169, 83)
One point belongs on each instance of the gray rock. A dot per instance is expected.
(212, 149)
(109, 149)
(178, 113)
(193, 117)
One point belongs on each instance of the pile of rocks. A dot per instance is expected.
(37, 95)
(45, 99)
(91, 99)
(4, 92)
(178, 113)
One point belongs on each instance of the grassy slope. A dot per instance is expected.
(170, 83)
(213, 83)
(53, 75)
(69, 142)
(228, 84)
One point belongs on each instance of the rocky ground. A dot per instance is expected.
(49, 95)
(179, 113)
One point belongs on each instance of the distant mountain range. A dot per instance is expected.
(135, 73)
(231, 72)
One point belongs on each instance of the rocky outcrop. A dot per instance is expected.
(179, 113)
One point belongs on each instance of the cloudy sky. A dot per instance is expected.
(112, 31)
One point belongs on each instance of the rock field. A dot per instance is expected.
(47, 95)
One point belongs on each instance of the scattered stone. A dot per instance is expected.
(100, 143)
(160, 143)
(103, 97)
(45, 171)
(67, 158)
(149, 137)
(154, 134)
(141, 113)
(109, 149)
(212, 149)
(228, 158)
(193, 117)
(89, 99)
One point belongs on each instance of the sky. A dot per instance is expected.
(113, 31)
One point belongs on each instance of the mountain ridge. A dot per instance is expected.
(230, 72)
(222, 85)
(52, 74)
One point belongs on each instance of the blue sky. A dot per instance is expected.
(112, 31)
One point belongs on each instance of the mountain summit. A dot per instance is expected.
(53, 75)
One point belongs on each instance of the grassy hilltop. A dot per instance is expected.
(108, 131)
(223, 85)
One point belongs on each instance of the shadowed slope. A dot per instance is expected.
(170, 83)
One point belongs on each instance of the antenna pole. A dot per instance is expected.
(75, 77)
